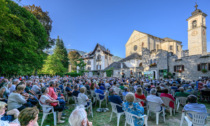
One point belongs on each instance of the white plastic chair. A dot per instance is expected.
(173, 92)
(92, 94)
(151, 106)
(46, 111)
(75, 100)
(100, 100)
(181, 100)
(114, 110)
(137, 100)
(166, 101)
(198, 119)
(117, 91)
(130, 120)
(79, 99)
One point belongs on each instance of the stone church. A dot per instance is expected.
(154, 57)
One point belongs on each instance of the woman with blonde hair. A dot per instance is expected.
(134, 108)
(139, 95)
(2, 112)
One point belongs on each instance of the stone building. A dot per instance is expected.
(97, 60)
(139, 40)
(154, 57)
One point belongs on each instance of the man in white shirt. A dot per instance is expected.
(153, 98)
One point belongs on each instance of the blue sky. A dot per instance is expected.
(84, 23)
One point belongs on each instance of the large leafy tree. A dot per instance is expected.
(44, 19)
(73, 57)
(53, 66)
(61, 52)
(22, 40)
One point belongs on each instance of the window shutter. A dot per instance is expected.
(182, 67)
(199, 67)
(174, 68)
(209, 66)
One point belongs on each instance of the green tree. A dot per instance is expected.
(81, 64)
(61, 52)
(73, 57)
(22, 40)
(44, 19)
(53, 66)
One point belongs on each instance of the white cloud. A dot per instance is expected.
(69, 45)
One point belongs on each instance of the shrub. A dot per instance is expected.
(204, 70)
(73, 74)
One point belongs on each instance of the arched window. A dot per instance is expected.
(140, 65)
(194, 24)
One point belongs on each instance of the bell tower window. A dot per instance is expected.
(194, 24)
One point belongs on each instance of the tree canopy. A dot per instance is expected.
(57, 63)
(53, 66)
(44, 19)
(22, 40)
(61, 52)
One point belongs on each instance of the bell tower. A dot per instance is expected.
(197, 32)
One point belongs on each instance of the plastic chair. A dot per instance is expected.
(92, 95)
(46, 111)
(114, 110)
(80, 100)
(181, 100)
(166, 101)
(130, 120)
(100, 100)
(151, 106)
(75, 100)
(198, 119)
(173, 92)
(140, 100)
(117, 91)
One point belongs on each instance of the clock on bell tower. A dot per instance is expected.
(197, 32)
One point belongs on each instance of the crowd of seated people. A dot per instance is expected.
(25, 92)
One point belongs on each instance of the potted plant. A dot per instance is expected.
(180, 71)
(204, 70)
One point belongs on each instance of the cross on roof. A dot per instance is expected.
(196, 6)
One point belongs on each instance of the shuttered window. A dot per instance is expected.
(199, 67)
(209, 67)
(178, 68)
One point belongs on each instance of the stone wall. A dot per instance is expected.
(190, 66)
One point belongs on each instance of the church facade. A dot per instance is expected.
(154, 57)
